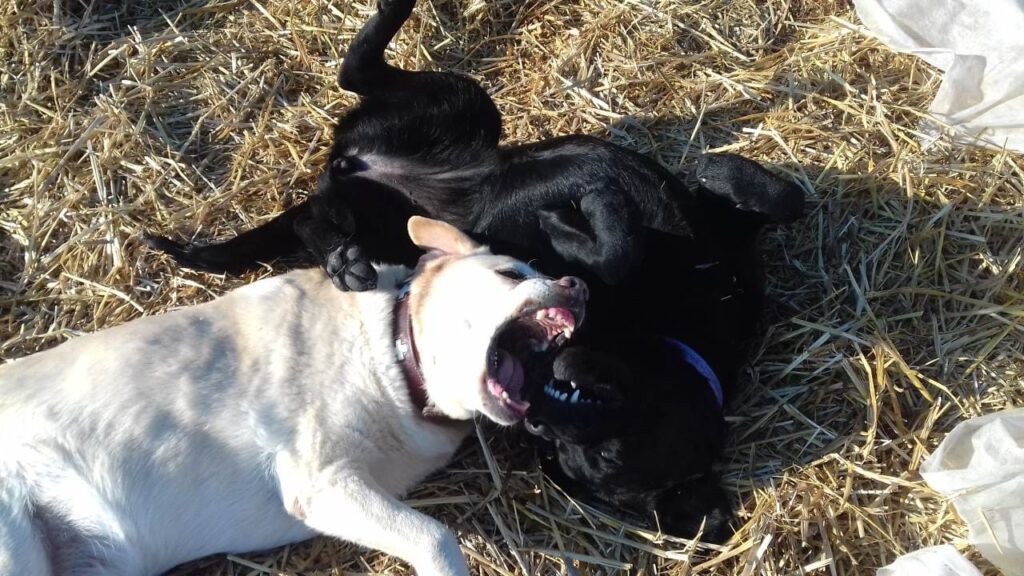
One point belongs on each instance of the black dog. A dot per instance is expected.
(633, 420)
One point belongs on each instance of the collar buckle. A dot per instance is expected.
(401, 349)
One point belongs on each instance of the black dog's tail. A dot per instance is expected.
(273, 240)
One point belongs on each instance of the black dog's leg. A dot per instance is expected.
(364, 71)
(275, 239)
(751, 189)
(601, 235)
(328, 231)
(348, 222)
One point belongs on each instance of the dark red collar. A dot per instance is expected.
(409, 358)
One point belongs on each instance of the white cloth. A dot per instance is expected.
(934, 561)
(980, 466)
(980, 46)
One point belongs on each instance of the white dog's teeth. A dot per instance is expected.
(575, 397)
(563, 396)
(504, 395)
(567, 331)
(573, 384)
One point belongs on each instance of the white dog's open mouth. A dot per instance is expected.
(523, 350)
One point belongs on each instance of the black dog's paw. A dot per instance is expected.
(164, 244)
(184, 254)
(751, 187)
(350, 270)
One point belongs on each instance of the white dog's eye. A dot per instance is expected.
(513, 274)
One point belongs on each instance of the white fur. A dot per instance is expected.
(259, 419)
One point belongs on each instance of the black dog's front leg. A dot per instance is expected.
(750, 189)
(265, 243)
(327, 229)
(604, 235)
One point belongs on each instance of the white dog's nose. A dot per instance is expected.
(574, 285)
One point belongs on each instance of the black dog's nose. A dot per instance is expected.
(534, 427)
(574, 285)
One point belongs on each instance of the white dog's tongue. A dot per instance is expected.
(509, 373)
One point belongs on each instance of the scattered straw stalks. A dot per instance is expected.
(900, 292)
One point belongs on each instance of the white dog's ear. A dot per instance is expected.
(436, 235)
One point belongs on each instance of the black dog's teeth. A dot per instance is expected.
(573, 396)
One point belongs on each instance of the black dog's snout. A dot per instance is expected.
(574, 286)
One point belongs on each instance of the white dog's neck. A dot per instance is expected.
(409, 360)
(379, 309)
(387, 346)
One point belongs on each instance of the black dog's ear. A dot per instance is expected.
(682, 509)
(604, 235)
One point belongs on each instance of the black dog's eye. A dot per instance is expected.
(513, 274)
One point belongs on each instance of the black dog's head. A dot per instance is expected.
(641, 435)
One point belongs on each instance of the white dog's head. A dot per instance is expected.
(486, 327)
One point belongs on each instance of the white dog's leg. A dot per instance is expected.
(21, 549)
(354, 508)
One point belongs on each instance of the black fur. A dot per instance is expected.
(661, 260)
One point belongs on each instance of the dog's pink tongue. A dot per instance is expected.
(509, 374)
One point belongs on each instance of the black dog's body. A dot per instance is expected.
(661, 260)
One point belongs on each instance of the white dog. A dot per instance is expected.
(281, 410)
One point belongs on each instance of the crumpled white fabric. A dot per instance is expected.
(980, 466)
(980, 46)
(934, 561)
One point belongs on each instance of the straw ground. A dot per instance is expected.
(899, 297)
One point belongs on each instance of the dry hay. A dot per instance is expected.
(906, 275)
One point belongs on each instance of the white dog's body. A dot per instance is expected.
(233, 435)
(273, 413)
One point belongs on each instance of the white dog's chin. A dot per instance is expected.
(520, 348)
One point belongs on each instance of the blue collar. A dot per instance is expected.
(699, 364)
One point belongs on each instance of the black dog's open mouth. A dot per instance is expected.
(583, 397)
(522, 351)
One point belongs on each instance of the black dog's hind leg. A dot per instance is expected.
(275, 239)
(364, 70)
(603, 235)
